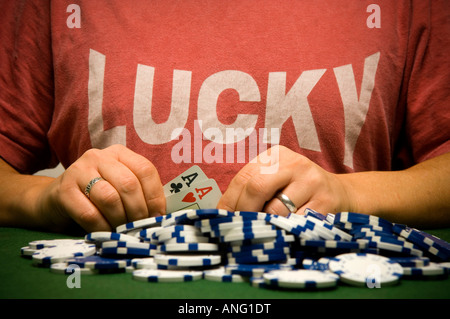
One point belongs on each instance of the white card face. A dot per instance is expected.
(202, 195)
(184, 181)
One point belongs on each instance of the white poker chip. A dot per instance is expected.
(144, 263)
(432, 269)
(44, 243)
(50, 255)
(188, 247)
(220, 275)
(102, 236)
(445, 265)
(238, 236)
(67, 269)
(176, 229)
(300, 278)
(183, 238)
(142, 223)
(360, 269)
(187, 260)
(136, 245)
(27, 251)
(158, 275)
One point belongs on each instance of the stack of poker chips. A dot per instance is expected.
(296, 252)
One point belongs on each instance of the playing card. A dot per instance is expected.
(204, 194)
(184, 181)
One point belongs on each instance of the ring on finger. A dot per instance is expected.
(87, 190)
(287, 202)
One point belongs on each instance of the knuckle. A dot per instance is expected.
(128, 184)
(88, 218)
(109, 196)
(257, 185)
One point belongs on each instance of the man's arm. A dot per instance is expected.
(130, 190)
(418, 196)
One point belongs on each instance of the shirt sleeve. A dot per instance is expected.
(26, 85)
(426, 90)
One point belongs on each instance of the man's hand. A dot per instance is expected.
(130, 190)
(279, 169)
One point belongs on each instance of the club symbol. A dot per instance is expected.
(176, 187)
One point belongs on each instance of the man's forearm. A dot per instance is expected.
(19, 198)
(418, 196)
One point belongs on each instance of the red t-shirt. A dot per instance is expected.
(351, 85)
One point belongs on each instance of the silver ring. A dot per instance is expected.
(89, 186)
(287, 202)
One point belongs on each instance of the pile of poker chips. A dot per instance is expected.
(293, 252)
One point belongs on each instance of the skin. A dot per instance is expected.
(132, 190)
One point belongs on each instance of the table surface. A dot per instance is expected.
(19, 279)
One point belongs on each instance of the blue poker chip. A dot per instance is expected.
(221, 276)
(187, 260)
(99, 262)
(313, 213)
(264, 258)
(301, 279)
(275, 244)
(159, 275)
(255, 270)
(102, 236)
(368, 235)
(142, 223)
(348, 220)
(333, 244)
(411, 261)
(191, 216)
(357, 228)
(429, 243)
(127, 251)
(188, 247)
(431, 270)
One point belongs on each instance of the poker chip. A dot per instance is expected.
(411, 261)
(99, 262)
(249, 235)
(221, 275)
(26, 251)
(361, 269)
(432, 269)
(127, 251)
(266, 251)
(257, 259)
(39, 244)
(187, 260)
(445, 265)
(429, 243)
(190, 216)
(313, 213)
(188, 247)
(142, 223)
(55, 254)
(300, 279)
(68, 269)
(102, 236)
(252, 270)
(144, 263)
(158, 275)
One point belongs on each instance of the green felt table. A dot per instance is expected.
(21, 280)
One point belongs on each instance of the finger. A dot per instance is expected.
(78, 207)
(230, 197)
(260, 189)
(128, 188)
(295, 193)
(108, 201)
(148, 177)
